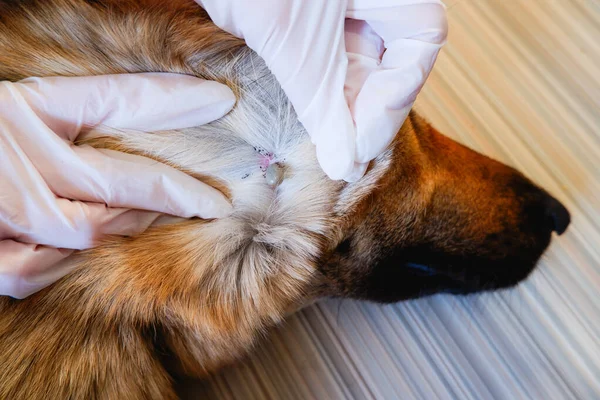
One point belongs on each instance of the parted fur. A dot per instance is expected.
(189, 296)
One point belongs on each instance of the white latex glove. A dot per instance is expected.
(351, 81)
(56, 197)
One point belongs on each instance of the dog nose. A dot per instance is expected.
(558, 215)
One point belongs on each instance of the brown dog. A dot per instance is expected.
(187, 297)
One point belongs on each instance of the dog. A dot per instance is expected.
(189, 296)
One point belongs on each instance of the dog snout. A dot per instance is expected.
(542, 212)
(558, 215)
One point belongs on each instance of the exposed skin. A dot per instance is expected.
(430, 215)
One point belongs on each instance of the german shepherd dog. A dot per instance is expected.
(188, 296)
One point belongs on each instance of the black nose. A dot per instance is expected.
(558, 214)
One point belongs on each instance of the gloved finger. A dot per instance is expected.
(358, 171)
(31, 213)
(315, 83)
(423, 20)
(382, 9)
(70, 224)
(364, 49)
(27, 268)
(333, 134)
(80, 225)
(388, 95)
(130, 181)
(413, 36)
(148, 102)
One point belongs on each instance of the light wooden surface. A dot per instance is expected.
(518, 80)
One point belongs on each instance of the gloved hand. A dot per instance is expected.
(55, 197)
(352, 82)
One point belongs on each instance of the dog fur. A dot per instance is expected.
(188, 296)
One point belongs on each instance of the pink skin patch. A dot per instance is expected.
(265, 160)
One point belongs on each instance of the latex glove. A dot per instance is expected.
(352, 82)
(55, 197)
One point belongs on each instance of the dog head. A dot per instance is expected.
(442, 218)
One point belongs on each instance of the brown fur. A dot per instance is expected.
(139, 311)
